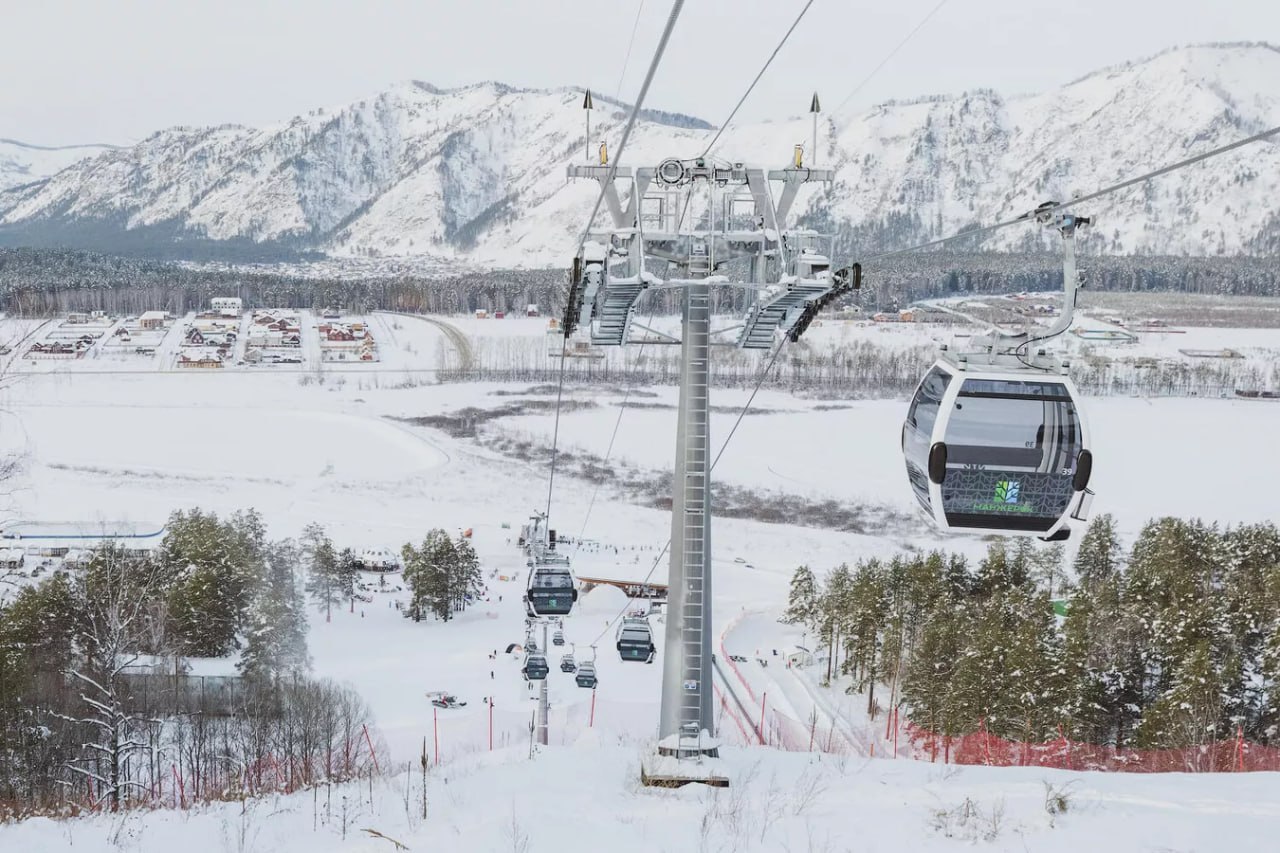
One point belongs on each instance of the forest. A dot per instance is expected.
(39, 282)
(1173, 643)
(98, 705)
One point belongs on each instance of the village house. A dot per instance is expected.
(152, 319)
(202, 361)
(227, 306)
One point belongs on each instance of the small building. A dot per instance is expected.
(378, 560)
(532, 311)
(260, 337)
(203, 361)
(799, 656)
(77, 317)
(482, 314)
(227, 306)
(11, 558)
(152, 319)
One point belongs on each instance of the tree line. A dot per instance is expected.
(45, 281)
(841, 369)
(95, 705)
(1172, 643)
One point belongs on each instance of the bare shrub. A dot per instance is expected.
(969, 821)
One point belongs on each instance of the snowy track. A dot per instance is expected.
(457, 339)
(837, 725)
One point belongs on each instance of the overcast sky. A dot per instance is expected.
(91, 71)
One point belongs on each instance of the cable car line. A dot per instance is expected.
(627, 61)
(764, 373)
(631, 119)
(890, 55)
(622, 410)
(595, 209)
(600, 197)
(759, 74)
(1057, 206)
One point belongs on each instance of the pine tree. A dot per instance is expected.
(277, 631)
(431, 572)
(1001, 571)
(802, 603)
(210, 568)
(326, 577)
(832, 607)
(466, 574)
(1047, 570)
(866, 605)
(927, 688)
(1100, 551)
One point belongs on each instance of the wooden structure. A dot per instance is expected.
(633, 589)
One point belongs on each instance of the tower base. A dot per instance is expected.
(683, 759)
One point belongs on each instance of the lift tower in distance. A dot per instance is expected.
(693, 225)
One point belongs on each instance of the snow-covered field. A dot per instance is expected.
(130, 446)
(585, 797)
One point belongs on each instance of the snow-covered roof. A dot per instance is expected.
(153, 315)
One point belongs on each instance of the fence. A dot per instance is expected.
(1236, 755)
(980, 747)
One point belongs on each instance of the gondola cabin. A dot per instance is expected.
(535, 667)
(551, 590)
(635, 641)
(998, 451)
(586, 674)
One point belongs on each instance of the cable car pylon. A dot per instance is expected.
(737, 235)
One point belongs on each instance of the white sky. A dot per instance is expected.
(93, 71)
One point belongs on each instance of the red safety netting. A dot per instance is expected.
(982, 747)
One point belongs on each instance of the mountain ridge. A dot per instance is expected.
(474, 175)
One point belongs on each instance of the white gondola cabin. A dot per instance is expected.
(995, 440)
(998, 452)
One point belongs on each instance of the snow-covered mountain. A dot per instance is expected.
(475, 176)
(22, 162)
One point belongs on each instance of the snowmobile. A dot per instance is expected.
(446, 700)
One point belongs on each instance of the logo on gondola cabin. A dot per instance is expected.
(1008, 491)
